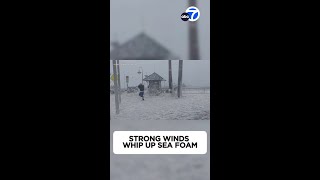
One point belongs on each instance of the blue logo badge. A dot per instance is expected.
(194, 13)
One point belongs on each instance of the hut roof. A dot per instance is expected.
(141, 47)
(154, 77)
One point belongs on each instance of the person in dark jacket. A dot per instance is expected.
(141, 88)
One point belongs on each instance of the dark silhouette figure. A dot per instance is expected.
(141, 93)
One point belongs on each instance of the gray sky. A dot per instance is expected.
(161, 20)
(195, 72)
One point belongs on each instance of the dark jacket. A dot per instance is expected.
(141, 87)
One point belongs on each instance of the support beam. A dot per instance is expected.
(170, 76)
(180, 79)
(116, 89)
(119, 84)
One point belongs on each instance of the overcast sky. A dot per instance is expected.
(161, 20)
(195, 72)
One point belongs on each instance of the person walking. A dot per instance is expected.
(141, 88)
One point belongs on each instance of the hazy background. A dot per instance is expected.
(160, 19)
(195, 72)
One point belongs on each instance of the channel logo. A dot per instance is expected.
(185, 16)
(191, 14)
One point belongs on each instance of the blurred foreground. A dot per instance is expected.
(192, 106)
(158, 166)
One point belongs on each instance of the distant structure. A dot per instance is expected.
(194, 52)
(154, 83)
(140, 47)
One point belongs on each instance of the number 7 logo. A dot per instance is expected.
(194, 13)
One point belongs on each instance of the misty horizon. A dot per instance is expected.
(196, 73)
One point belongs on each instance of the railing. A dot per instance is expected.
(192, 90)
(195, 90)
(185, 90)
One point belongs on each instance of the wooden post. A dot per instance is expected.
(180, 78)
(193, 37)
(124, 81)
(116, 89)
(170, 76)
(127, 83)
(119, 84)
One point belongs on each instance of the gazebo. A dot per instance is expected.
(141, 47)
(154, 83)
